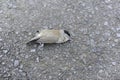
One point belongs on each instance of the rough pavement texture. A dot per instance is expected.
(93, 53)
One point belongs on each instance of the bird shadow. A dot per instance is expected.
(47, 45)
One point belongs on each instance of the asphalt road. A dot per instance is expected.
(93, 53)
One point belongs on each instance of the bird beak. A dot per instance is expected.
(33, 39)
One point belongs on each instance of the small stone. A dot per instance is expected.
(26, 56)
(107, 34)
(107, 1)
(32, 50)
(34, 68)
(0, 29)
(37, 59)
(110, 7)
(10, 5)
(106, 23)
(50, 77)
(83, 4)
(20, 70)
(1, 11)
(1, 56)
(113, 63)
(3, 63)
(12, 60)
(101, 71)
(16, 32)
(1, 39)
(5, 51)
(21, 66)
(118, 35)
(44, 5)
(96, 8)
(73, 60)
(116, 40)
(74, 72)
(90, 16)
(113, 45)
(90, 67)
(16, 63)
(29, 33)
(118, 28)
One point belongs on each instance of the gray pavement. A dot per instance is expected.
(93, 53)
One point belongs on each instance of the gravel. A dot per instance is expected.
(92, 54)
(16, 63)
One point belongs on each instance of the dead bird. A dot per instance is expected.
(50, 36)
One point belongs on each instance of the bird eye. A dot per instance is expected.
(37, 31)
(65, 31)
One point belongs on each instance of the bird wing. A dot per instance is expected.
(49, 36)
